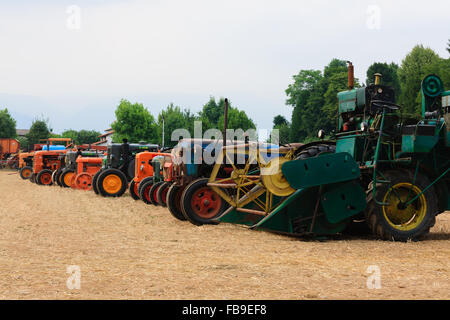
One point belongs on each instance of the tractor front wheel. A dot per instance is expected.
(153, 193)
(200, 204)
(83, 181)
(409, 211)
(25, 172)
(161, 195)
(94, 181)
(66, 177)
(173, 200)
(112, 183)
(44, 178)
(133, 190)
(144, 190)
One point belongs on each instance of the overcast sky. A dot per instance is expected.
(72, 61)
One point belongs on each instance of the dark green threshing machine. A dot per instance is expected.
(385, 170)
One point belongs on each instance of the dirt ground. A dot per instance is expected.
(126, 249)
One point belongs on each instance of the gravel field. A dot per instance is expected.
(126, 249)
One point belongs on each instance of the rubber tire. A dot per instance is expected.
(153, 192)
(143, 181)
(54, 176)
(133, 194)
(40, 174)
(23, 169)
(316, 150)
(143, 187)
(174, 209)
(33, 178)
(159, 195)
(94, 181)
(186, 197)
(106, 173)
(380, 228)
(62, 176)
(57, 178)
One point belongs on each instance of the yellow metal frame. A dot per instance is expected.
(247, 187)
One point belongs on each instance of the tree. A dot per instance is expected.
(389, 74)
(7, 125)
(237, 119)
(39, 130)
(211, 113)
(212, 117)
(174, 118)
(306, 83)
(279, 120)
(87, 136)
(415, 66)
(134, 122)
(313, 96)
(72, 134)
(283, 126)
(448, 46)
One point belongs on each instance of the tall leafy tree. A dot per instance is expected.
(174, 118)
(389, 74)
(279, 120)
(134, 122)
(415, 66)
(313, 96)
(448, 46)
(7, 124)
(283, 126)
(39, 130)
(87, 136)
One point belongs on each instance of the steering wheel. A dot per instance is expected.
(385, 105)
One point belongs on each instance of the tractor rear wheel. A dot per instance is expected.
(44, 178)
(66, 177)
(112, 183)
(133, 190)
(33, 178)
(173, 200)
(153, 193)
(83, 181)
(161, 195)
(400, 220)
(144, 190)
(200, 204)
(94, 181)
(26, 172)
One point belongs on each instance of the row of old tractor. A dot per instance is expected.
(383, 172)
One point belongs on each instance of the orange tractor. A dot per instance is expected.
(48, 160)
(79, 165)
(145, 177)
(44, 164)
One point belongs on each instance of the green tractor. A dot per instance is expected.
(382, 170)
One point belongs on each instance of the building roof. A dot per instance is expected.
(108, 133)
(22, 132)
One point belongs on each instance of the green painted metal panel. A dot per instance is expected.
(326, 169)
(347, 101)
(418, 144)
(343, 200)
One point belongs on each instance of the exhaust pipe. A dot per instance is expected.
(225, 124)
(351, 76)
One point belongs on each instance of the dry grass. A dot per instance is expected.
(128, 250)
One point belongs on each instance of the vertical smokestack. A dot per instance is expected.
(225, 124)
(351, 76)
